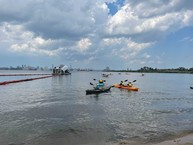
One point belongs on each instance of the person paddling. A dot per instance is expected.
(121, 83)
(100, 84)
(129, 84)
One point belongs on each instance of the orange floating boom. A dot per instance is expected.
(22, 74)
(23, 80)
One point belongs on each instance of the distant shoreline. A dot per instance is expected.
(154, 71)
(146, 69)
(179, 72)
(120, 71)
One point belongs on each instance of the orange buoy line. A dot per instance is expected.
(23, 80)
(22, 74)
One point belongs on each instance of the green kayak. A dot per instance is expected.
(98, 91)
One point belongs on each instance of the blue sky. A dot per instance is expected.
(120, 34)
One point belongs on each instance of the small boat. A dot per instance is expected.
(105, 75)
(98, 91)
(126, 87)
(191, 87)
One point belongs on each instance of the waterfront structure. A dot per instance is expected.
(61, 70)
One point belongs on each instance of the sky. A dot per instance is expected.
(119, 34)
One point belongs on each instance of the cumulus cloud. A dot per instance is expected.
(84, 30)
(145, 9)
(128, 22)
(125, 47)
(35, 46)
(24, 41)
(84, 44)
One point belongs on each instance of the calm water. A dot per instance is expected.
(56, 111)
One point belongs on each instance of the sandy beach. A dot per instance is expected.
(183, 140)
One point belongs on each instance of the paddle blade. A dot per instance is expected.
(134, 80)
(125, 80)
(91, 83)
(94, 79)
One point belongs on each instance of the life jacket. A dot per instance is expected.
(130, 84)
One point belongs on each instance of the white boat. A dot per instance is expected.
(61, 70)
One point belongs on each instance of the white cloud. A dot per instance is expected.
(166, 23)
(138, 46)
(32, 48)
(146, 55)
(125, 47)
(126, 21)
(81, 29)
(123, 21)
(144, 9)
(84, 44)
(23, 41)
(12, 33)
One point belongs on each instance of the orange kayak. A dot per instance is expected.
(126, 87)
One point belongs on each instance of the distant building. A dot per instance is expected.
(107, 69)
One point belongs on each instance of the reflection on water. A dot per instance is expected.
(57, 111)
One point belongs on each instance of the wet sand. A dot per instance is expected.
(183, 140)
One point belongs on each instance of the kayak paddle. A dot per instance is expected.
(91, 83)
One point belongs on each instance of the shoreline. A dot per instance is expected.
(183, 139)
(186, 139)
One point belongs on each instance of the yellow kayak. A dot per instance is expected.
(126, 87)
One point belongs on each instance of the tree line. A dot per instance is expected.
(170, 70)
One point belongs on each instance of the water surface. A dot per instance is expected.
(57, 111)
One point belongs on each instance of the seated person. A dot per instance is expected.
(121, 83)
(129, 84)
(100, 84)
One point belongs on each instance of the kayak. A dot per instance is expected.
(97, 91)
(126, 87)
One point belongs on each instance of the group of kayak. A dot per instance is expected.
(101, 88)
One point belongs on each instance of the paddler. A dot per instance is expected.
(121, 83)
(129, 84)
(100, 84)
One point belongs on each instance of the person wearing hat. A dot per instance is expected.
(129, 84)
(100, 84)
(121, 83)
